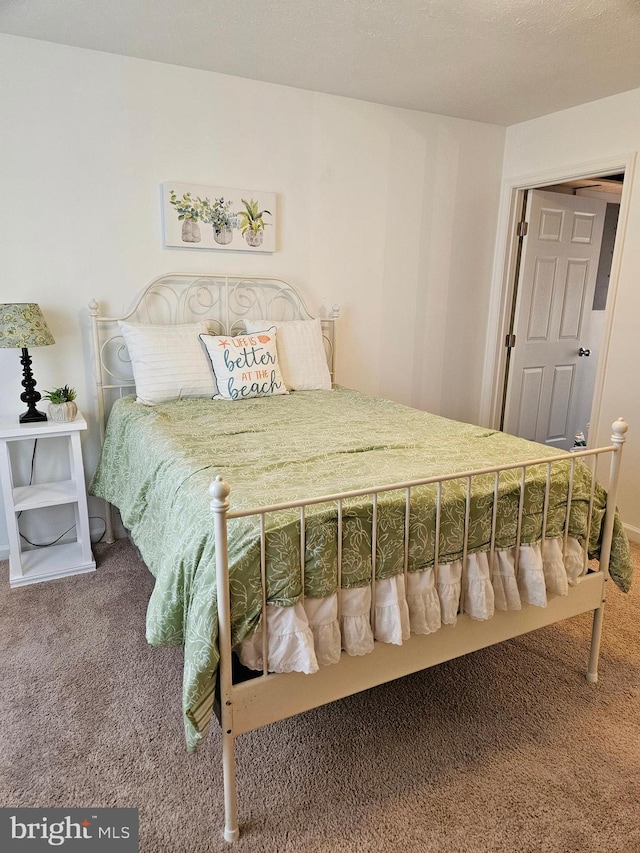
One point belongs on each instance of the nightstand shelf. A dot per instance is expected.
(53, 561)
(28, 566)
(45, 494)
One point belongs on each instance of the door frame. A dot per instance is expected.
(505, 265)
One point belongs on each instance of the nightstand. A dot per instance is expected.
(52, 561)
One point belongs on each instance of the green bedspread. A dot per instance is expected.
(158, 462)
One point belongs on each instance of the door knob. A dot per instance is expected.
(586, 352)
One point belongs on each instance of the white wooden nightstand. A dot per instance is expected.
(51, 561)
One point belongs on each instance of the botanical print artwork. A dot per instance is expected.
(201, 217)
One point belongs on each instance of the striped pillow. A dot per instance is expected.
(301, 353)
(168, 362)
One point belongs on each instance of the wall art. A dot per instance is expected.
(202, 217)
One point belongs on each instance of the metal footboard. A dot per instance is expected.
(270, 697)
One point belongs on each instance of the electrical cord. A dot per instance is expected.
(46, 544)
(102, 535)
(33, 463)
(68, 530)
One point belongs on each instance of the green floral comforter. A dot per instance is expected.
(158, 462)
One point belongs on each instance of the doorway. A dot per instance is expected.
(554, 338)
(557, 307)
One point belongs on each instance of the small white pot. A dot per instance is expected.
(62, 413)
(191, 231)
(254, 238)
(224, 236)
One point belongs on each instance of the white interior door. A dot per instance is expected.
(553, 306)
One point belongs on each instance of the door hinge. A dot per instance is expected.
(522, 228)
(510, 341)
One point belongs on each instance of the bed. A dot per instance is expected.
(371, 539)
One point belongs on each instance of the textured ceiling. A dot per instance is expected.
(498, 61)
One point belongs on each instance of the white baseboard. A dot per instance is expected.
(632, 532)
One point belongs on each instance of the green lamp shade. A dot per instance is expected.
(22, 324)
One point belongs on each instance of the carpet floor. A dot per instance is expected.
(504, 751)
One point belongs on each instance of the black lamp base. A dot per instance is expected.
(32, 416)
(29, 396)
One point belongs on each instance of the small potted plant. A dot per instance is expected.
(62, 407)
(219, 215)
(190, 211)
(252, 223)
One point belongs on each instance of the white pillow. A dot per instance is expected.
(303, 360)
(245, 365)
(168, 362)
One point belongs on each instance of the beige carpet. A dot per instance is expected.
(508, 750)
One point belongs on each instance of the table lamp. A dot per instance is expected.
(22, 325)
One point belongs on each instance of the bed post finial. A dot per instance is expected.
(219, 491)
(619, 428)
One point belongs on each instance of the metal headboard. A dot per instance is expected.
(223, 301)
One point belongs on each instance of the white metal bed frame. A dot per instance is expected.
(248, 705)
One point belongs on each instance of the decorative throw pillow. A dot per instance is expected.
(303, 360)
(168, 362)
(245, 365)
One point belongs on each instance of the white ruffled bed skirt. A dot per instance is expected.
(310, 634)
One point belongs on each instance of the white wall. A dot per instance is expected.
(390, 213)
(604, 129)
